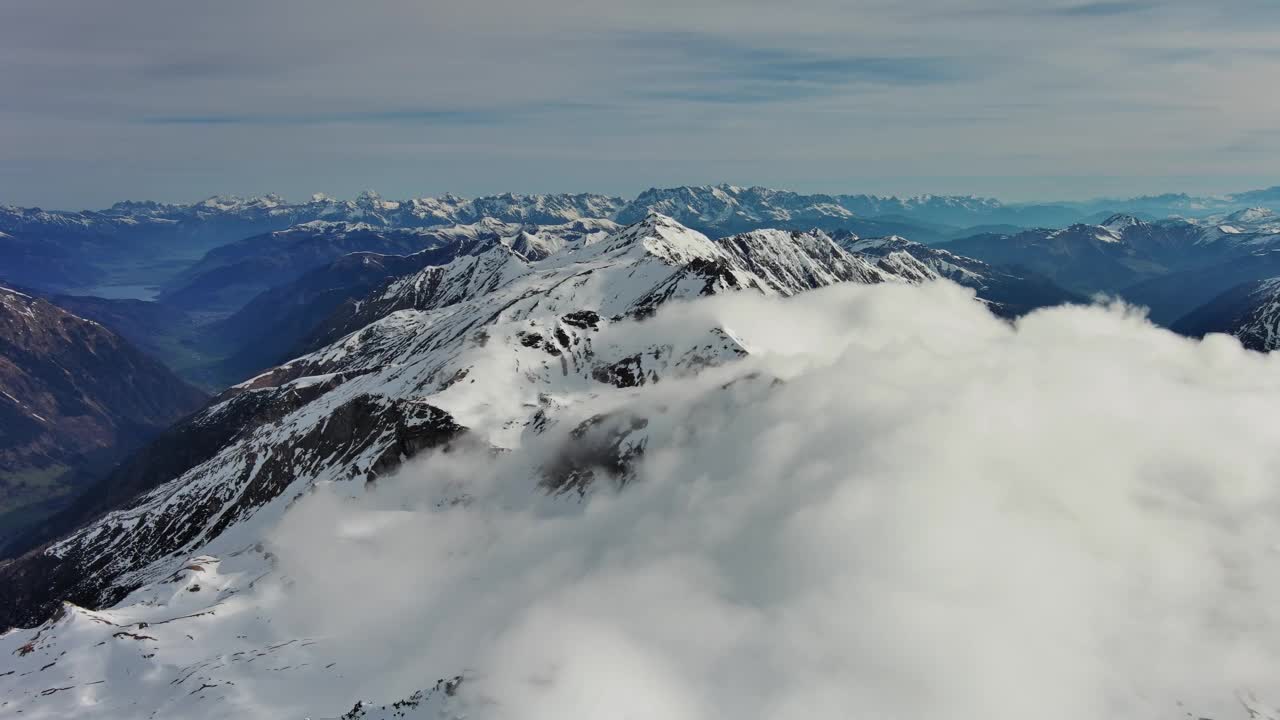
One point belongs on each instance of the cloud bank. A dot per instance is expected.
(899, 506)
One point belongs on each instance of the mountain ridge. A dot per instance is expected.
(358, 406)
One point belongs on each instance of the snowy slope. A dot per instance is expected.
(431, 360)
(1259, 328)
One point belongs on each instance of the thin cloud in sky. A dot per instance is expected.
(409, 116)
(1103, 9)
(103, 99)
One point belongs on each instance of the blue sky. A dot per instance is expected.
(1019, 99)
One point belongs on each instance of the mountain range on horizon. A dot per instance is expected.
(137, 249)
(957, 210)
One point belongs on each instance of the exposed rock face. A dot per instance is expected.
(603, 444)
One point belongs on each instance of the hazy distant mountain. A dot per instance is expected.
(133, 248)
(1181, 204)
(721, 210)
(230, 275)
(147, 243)
(725, 207)
(1121, 252)
(1255, 198)
(155, 328)
(214, 220)
(1009, 291)
(1172, 296)
(963, 211)
(32, 259)
(1084, 258)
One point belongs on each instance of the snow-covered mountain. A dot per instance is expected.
(522, 209)
(728, 206)
(288, 313)
(531, 377)
(369, 207)
(404, 373)
(720, 210)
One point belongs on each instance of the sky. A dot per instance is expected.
(1018, 99)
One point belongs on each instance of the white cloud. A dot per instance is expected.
(934, 515)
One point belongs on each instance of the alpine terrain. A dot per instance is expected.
(436, 424)
(491, 349)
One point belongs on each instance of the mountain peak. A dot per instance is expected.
(658, 219)
(661, 236)
(1121, 222)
